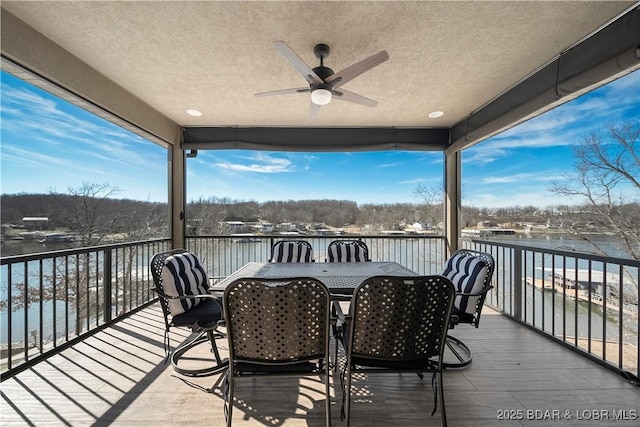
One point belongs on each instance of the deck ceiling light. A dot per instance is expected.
(194, 113)
(321, 96)
(436, 114)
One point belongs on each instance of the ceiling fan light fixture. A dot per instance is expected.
(321, 96)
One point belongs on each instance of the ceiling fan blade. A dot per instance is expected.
(314, 109)
(283, 91)
(295, 60)
(354, 70)
(346, 95)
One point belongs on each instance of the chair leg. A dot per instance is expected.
(347, 406)
(443, 412)
(335, 355)
(218, 381)
(228, 401)
(460, 351)
(200, 338)
(327, 392)
(214, 347)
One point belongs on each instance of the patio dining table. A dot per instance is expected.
(341, 278)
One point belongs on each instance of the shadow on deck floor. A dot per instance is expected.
(118, 378)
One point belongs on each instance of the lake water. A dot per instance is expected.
(604, 245)
(564, 316)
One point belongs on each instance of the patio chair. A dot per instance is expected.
(276, 327)
(471, 272)
(395, 325)
(347, 251)
(291, 251)
(182, 286)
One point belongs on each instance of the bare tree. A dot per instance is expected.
(205, 216)
(85, 215)
(432, 196)
(607, 180)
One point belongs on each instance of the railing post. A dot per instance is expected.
(107, 286)
(517, 283)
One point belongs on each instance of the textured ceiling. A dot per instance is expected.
(213, 56)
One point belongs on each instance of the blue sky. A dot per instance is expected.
(47, 143)
(520, 164)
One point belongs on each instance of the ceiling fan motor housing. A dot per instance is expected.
(321, 86)
(323, 72)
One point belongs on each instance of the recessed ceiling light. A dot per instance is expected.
(195, 113)
(436, 114)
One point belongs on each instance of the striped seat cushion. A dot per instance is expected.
(467, 274)
(183, 274)
(292, 252)
(346, 252)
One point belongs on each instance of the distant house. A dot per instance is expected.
(267, 227)
(555, 223)
(233, 226)
(286, 226)
(262, 227)
(35, 222)
(487, 224)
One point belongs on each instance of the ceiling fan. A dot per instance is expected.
(324, 84)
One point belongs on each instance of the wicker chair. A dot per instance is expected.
(471, 272)
(277, 327)
(291, 251)
(182, 285)
(347, 251)
(397, 324)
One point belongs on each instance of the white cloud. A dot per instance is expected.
(259, 163)
(483, 153)
(388, 165)
(41, 125)
(32, 159)
(521, 177)
(413, 181)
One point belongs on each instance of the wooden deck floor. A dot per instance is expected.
(118, 378)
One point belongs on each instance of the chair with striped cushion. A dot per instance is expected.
(347, 251)
(471, 272)
(291, 251)
(182, 285)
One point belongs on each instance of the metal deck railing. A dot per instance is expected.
(586, 302)
(51, 300)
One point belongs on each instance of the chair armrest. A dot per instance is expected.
(192, 297)
(453, 321)
(475, 294)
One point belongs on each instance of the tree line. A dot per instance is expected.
(92, 216)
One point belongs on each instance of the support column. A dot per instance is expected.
(176, 194)
(452, 199)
